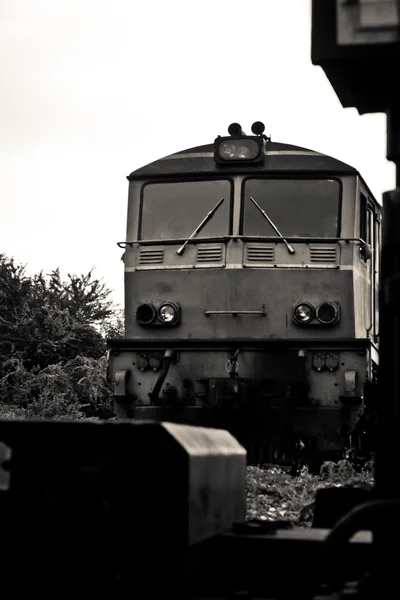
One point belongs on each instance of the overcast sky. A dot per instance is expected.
(93, 89)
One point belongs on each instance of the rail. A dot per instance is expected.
(252, 238)
(234, 313)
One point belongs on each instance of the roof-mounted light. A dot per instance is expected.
(258, 128)
(235, 129)
(240, 147)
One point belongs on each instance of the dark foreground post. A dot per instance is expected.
(358, 46)
(114, 509)
(388, 457)
(387, 480)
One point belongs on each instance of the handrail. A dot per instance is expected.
(252, 238)
(234, 313)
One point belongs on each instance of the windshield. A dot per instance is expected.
(175, 209)
(297, 207)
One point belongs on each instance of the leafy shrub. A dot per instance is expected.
(52, 343)
(12, 412)
(75, 389)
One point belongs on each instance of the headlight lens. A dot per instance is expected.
(167, 313)
(303, 312)
(327, 313)
(240, 149)
(145, 314)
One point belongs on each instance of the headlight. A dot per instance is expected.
(327, 313)
(145, 314)
(303, 312)
(239, 149)
(168, 313)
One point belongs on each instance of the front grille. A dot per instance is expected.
(209, 253)
(323, 254)
(151, 256)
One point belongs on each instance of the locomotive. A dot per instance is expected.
(251, 297)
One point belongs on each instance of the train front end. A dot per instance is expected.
(240, 293)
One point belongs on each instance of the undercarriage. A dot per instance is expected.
(308, 405)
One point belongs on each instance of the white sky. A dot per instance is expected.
(93, 89)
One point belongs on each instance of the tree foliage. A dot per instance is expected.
(52, 340)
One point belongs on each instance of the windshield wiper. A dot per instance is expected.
(196, 231)
(288, 246)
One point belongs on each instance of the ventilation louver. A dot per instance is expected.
(151, 256)
(260, 253)
(323, 254)
(211, 253)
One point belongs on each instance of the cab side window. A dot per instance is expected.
(377, 268)
(366, 225)
(370, 224)
(363, 217)
(367, 232)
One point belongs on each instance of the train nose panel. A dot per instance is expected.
(236, 303)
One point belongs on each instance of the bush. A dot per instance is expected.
(75, 389)
(52, 343)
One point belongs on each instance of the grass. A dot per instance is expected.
(273, 495)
